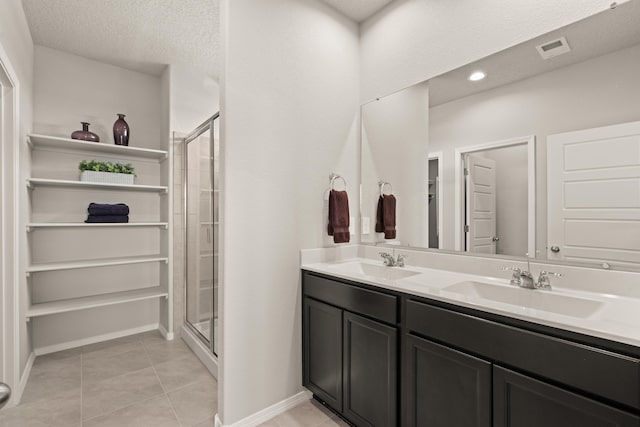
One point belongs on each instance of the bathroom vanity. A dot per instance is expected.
(389, 346)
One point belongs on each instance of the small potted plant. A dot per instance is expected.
(107, 172)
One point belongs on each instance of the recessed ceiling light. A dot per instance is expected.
(478, 75)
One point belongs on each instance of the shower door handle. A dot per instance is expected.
(5, 394)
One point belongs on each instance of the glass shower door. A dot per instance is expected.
(202, 230)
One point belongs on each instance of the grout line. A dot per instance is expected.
(166, 395)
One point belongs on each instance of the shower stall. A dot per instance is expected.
(201, 191)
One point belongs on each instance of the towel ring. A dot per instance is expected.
(382, 184)
(333, 178)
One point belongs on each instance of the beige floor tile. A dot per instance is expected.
(72, 353)
(47, 378)
(99, 368)
(178, 373)
(112, 347)
(308, 414)
(168, 350)
(118, 392)
(195, 402)
(62, 409)
(152, 337)
(155, 412)
(211, 422)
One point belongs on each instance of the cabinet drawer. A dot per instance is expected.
(609, 375)
(371, 303)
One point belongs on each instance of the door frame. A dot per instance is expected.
(9, 221)
(530, 141)
(439, 157)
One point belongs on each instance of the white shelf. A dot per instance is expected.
(74, 304)
(43, 141)
(105, 262)
(42, 182)
(33, 225)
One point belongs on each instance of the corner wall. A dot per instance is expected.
(414, 40)
(15, 41)
(289, 113)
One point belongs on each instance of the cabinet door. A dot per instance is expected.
(370, 372)
(521, 401)
(444, 387)
(322, 342)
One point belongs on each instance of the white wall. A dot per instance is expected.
(289, 118)
(194, 98)
(598, 92)
(70, 89)
(17, 47)
(414, 40)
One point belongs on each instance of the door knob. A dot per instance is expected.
(555, 249)
(495, 238)
(5, 394)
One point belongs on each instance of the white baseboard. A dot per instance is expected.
(167, 335)
(202, 352)
(267, 413)
(94, 339)
(17, 393)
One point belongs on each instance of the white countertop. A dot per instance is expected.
(616, 318)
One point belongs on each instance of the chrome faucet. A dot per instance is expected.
(389, 261)
(524, 279)
(543, 279)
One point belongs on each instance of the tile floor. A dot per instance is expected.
(141, 380)
(136, 381)
(308, 414)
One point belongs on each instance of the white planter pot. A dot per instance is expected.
(107, 177)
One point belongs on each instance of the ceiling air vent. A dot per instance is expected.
(553, 48)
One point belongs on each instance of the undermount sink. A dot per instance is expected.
(528, 298)
(373, 270)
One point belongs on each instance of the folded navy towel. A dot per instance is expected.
(107, 218)
(106, 209)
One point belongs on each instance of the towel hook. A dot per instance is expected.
(382, 184)
(333, 178)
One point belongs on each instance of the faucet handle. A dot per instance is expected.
(400, 260)
(543, 279)
(516, 280)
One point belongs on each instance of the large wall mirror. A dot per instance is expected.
(533, 151)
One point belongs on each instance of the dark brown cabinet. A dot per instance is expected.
(381, 359)
(350, 350)
(370, 363)
(521, 401)
(444, 387)
(323, 351)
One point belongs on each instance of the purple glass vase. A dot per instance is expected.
(121, 131)
(84, 134)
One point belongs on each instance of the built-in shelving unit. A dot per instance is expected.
(57, 143)
(55, 266)
(36, 225)
(63, 278)
(36, 182)
(83, 303)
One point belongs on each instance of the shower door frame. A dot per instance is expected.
(192, 136)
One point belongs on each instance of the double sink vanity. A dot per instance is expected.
(420, 346)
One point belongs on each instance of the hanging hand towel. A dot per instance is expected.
(106, 209)
(339, 216)
(386, 216)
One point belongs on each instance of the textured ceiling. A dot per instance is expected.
(358, 10)
(602, 33)
(143, 35)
